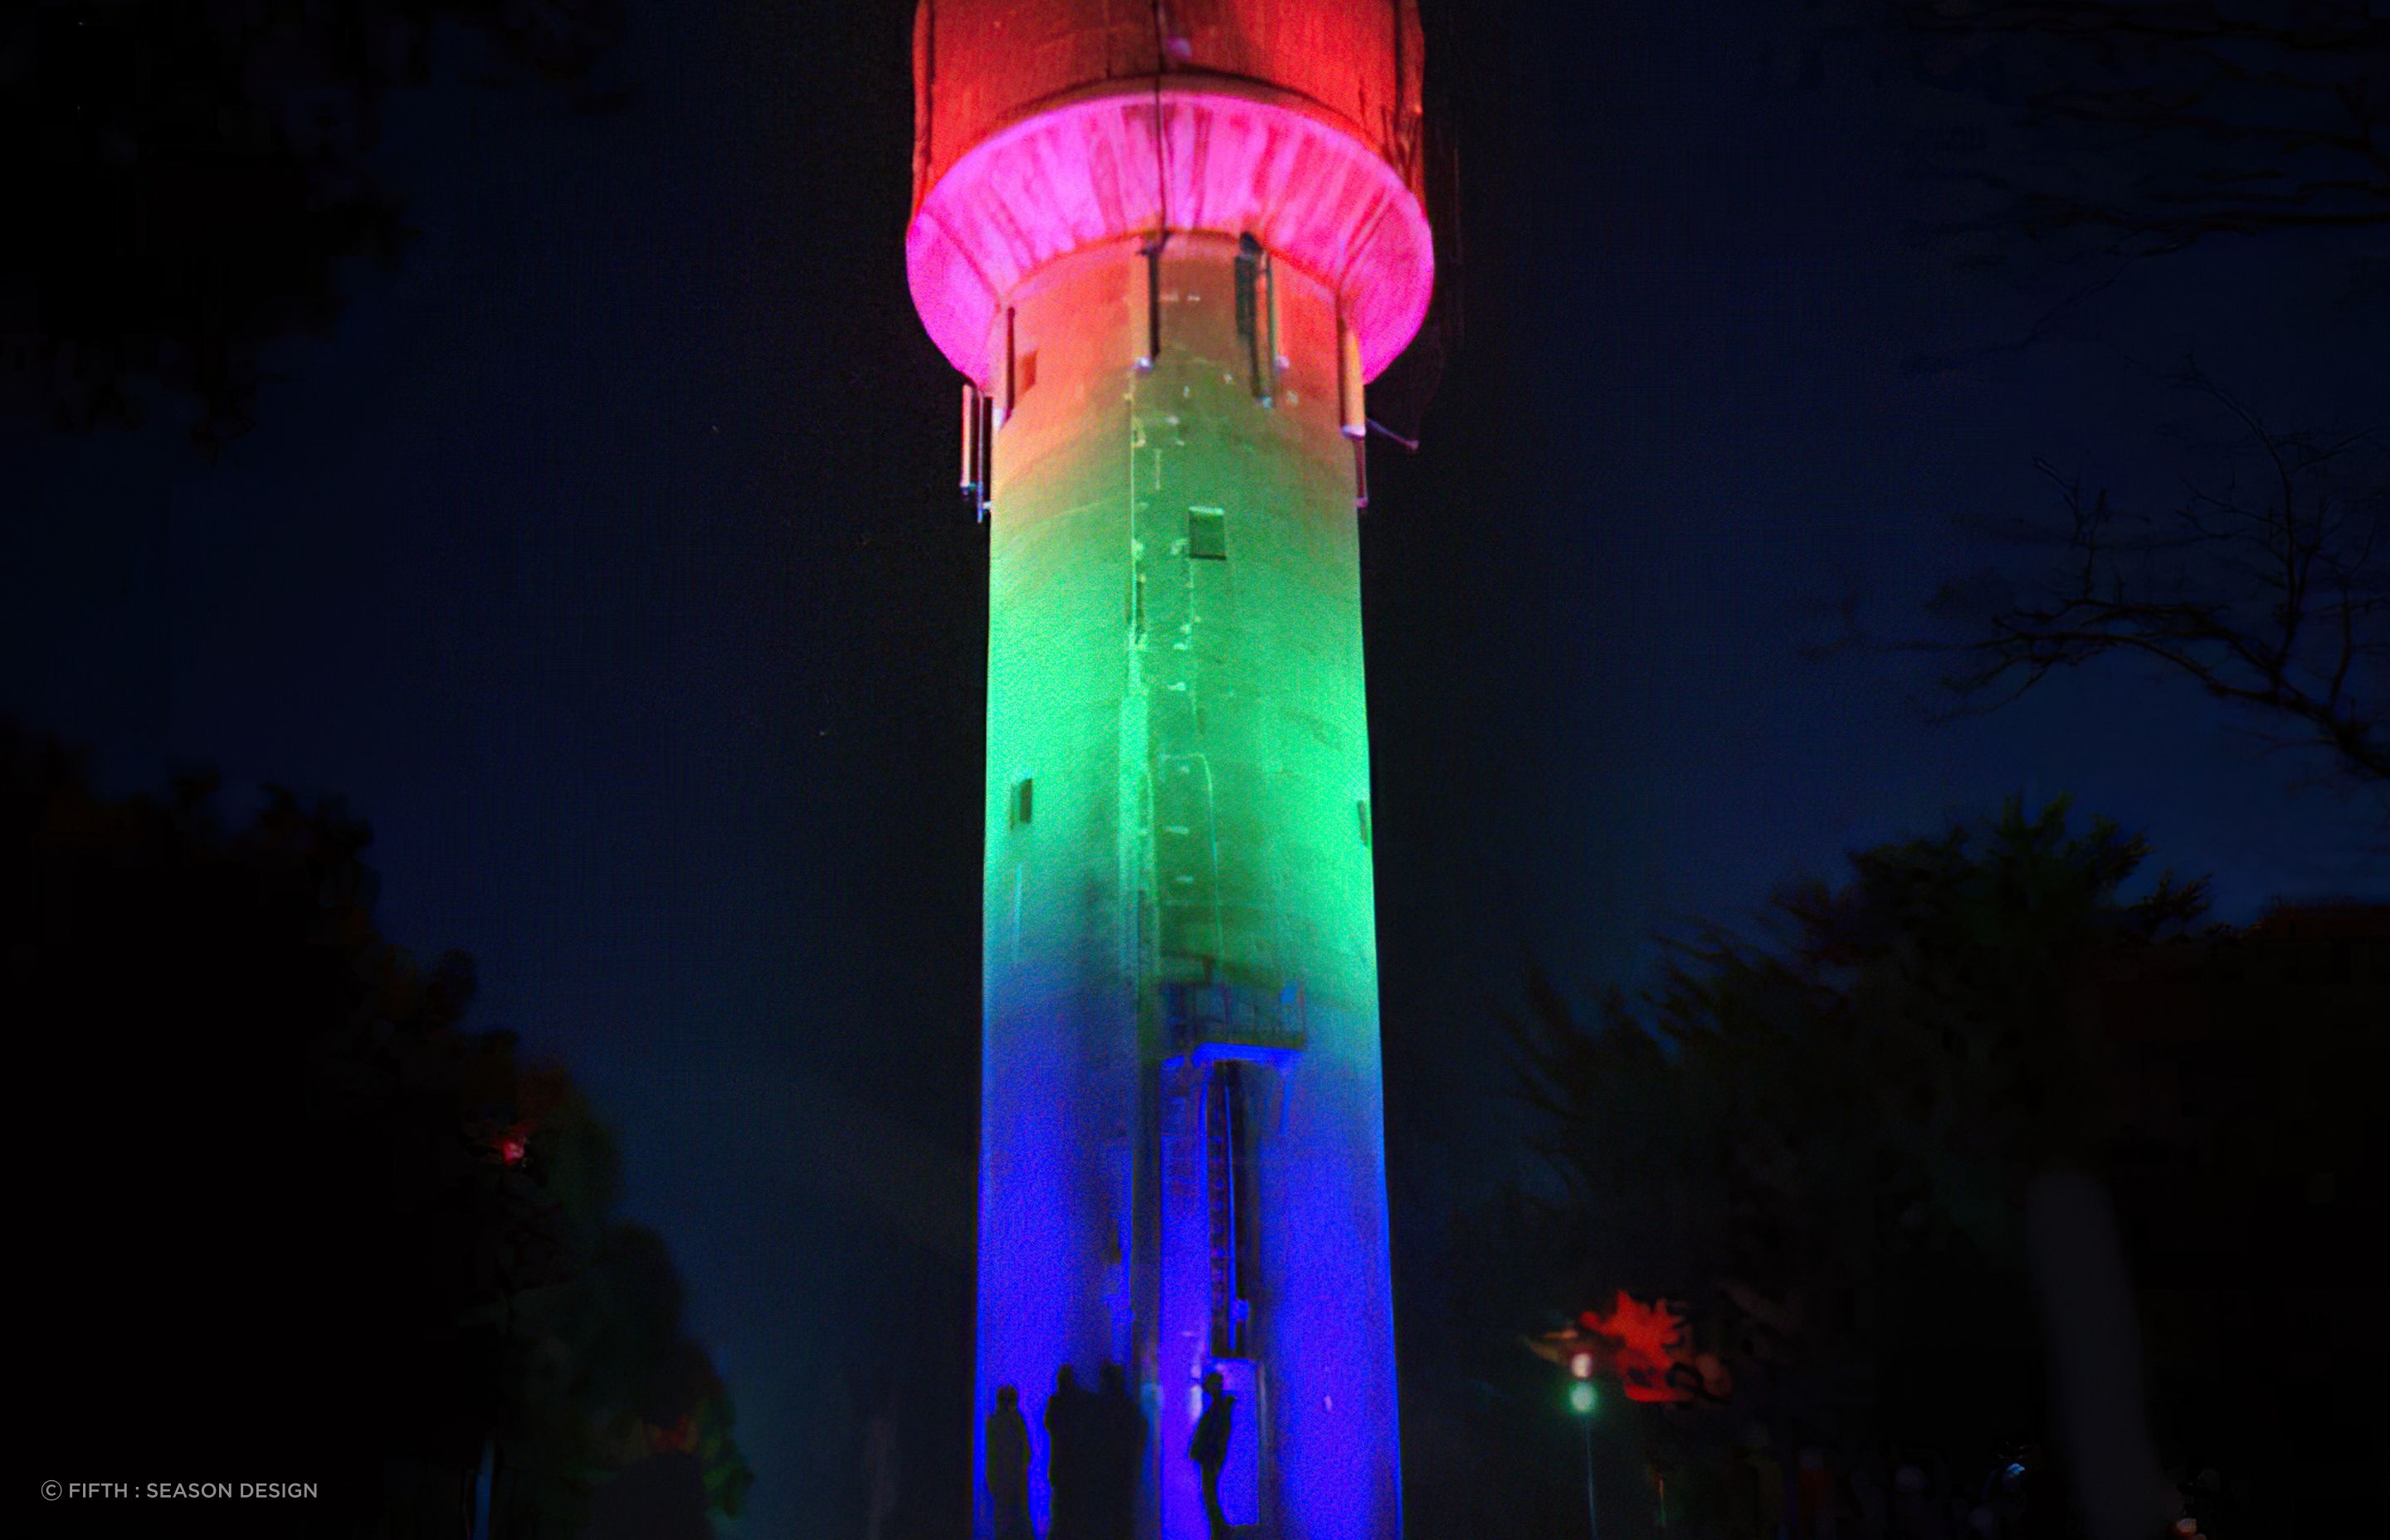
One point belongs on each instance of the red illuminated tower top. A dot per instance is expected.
(1043, 127)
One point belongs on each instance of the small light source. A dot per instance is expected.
(1582, 1398)
(1582, 1366)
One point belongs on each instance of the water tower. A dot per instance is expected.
(1166, 243)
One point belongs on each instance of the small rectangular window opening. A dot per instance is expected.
(1207, 534)
(1363, 808)
(1022, 801)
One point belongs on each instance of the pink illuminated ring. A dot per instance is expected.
(1232, 156)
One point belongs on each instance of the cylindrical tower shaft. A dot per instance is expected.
(1168, 242)
(1183, 1159)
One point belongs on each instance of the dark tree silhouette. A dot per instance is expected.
(2267, 585)
(2125, 130)
(293, 1223)
(198, 172)
(2182, 120)
(1950, 1132)
(1828, 1142)
(2132, 128)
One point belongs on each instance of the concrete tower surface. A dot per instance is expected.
(1166, 242)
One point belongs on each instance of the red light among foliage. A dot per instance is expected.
(1641, 1347)
(1647, 1343)
(511, 1144)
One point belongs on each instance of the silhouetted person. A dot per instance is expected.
(1754, 1488)
(1007, 1466)
(1814, 1492)
(1209, 1448)
(1115, 1444)
(1868, 1499)
(1914, 1516)
(1066, 1458)
(879, 1467)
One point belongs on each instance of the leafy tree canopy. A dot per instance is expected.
(297, 1222)
(200, 172)
(1819, 1137)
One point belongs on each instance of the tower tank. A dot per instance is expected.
(1166, 244)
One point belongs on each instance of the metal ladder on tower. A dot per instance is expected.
(1220, 1118)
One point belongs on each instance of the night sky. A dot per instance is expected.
(605, 557)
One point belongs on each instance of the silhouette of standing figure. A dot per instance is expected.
(1209, 1448)
(1007, 1466)
(1066, 1458)
(880, 1465)
(1116, 1443)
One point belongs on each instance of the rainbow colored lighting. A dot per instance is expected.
(1167, 244)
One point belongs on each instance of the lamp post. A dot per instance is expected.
(1643, 1347)
(1583, 1399)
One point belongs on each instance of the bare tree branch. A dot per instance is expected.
(2271, 602)
(2137, 127)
